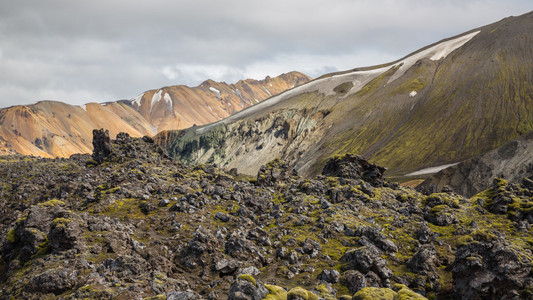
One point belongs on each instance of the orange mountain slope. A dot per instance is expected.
(56, 129)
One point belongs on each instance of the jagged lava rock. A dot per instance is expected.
(352, 166)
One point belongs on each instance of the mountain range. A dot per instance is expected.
(317, 220)
(449, 101)
(56, 129)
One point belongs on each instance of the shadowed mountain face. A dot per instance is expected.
(51, 128)
(445, 103)
(513, 161)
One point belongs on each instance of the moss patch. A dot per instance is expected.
(371, 293)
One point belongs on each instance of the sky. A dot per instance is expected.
(96, 51)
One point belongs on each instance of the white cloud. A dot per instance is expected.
(78, 49)
(194, 74)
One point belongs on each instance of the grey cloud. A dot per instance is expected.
(82, 51)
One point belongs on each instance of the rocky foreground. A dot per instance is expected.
(130, 223)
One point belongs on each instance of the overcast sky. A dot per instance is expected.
(95, 51)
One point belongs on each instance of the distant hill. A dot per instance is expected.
(51, 128)
(444, 103)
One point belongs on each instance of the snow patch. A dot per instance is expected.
(84, 107)
(168, 100)
(155, 98)
(268, 92)
(412, 94)
(210, 108)
(212, 89)
(431, 170)
(154, 129)
(358, 78)
(238, 93)
(138, 100)
(436, 52)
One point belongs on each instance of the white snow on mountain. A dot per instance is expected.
(212, 89)
(168, 100)
(359, 78)
(155, 98)
(138, 100)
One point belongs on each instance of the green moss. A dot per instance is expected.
(275, 292)
(51, 203)
(464, 240)
(91, 163)
(158, 297)
(438, 209)
(43, 248)
(324, 293)
(446, 199)
(12, 236)
(524, 127)
(63, 221)
(248, 278)
(343, 88)
(415, 84)
(407, 294)
(377, 82)
(302, 293)
(371, 293)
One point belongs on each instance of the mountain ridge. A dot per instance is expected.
(433, 107)
(53, 128)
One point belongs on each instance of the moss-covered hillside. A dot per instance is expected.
(130, 223)
(424, 110)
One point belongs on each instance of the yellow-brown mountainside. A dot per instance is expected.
(56, 129)
(180, 106)
(444, 103)
(51, 128)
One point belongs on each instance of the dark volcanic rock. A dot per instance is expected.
(275, 172)
(330, 276)
(377, 238)
(441, 215)
(354, 167)
(203, 241)
(424, 261)
(245, 288)
(367, 261)
(490, 268)
(512, 161)
(65, 234)
(101, 145)
(353, 280)
(54, 281)
(186, 295)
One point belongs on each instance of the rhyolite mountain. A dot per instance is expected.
(51, 129)
(131, 223)
(444, 103)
